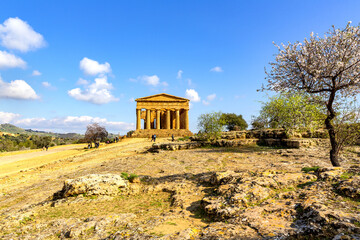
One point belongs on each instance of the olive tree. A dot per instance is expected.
(327, 67)
(210, 125)
(95, 132)
(234, 122)
(290, 111)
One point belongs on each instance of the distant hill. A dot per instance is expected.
(9, 128)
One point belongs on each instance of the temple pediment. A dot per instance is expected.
(162, 97)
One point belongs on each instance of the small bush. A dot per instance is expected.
(130, 177)
(184, 138)
(310, 169)
(125, 175)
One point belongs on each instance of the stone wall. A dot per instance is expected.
(273, 133)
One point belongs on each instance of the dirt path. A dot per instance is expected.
(20, 162)
(24, 156)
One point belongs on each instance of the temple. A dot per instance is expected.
(162, 114)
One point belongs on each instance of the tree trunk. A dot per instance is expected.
(334, 152)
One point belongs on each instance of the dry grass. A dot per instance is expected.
(143, 205)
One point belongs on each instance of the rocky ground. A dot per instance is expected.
(246, 192)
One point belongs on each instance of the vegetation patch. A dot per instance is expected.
(346, 175)
(310, 169)
(143, 205)
(129, 177)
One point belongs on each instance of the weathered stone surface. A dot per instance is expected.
(234, 143)
(93, 184)
(175, 146)
(330, 174)
(279, 205)
(350, 187)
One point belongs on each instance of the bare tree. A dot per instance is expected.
(95, 132)
(327, 67)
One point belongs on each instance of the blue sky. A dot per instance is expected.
(64, 64)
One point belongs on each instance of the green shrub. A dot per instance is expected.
(310, 169)
(130, 177)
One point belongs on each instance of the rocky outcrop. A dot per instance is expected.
(93, 184)
(278, 205)
(175, 146)
(350, 187)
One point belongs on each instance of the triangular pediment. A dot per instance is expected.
(162, 97)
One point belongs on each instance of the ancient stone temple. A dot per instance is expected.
(162, 114)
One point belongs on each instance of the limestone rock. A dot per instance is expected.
(330, 174)
(93, 184)
(350, 187)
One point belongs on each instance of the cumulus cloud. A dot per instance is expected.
(17, 89)
(211, 97)
(153, 80)
(82, 81)
(192, 95)
(36, 73)
(179, 74)
(205, 102)
(92, 67)
(19, 35)
(8, 60)
(64, 124)
(216, 69)
(6, 117)
(97, 92)
(46, 84)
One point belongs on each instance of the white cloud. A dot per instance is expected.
(132, 99)
(6, 117)
(46, 84)
(189, 82)
(64, 124)
(82, 81)
(36, 73)
(19, 35)
(211, 97)
(151, 80)
(97, 92)
(8, 60)
(216, 69)
(192, 95)
(205, 102)
(17, 89)
(92, 67)
(179, 74)
(239, 96)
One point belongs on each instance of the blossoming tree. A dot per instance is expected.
(327, 67)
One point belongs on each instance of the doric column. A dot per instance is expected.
(148, 119)
(158, 119)
(167, 119)
(177, 119)
(186, 119)
(138, 119)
